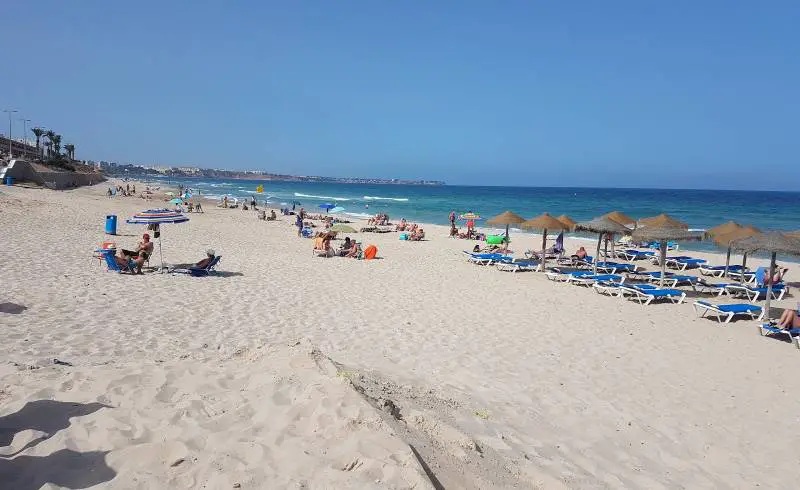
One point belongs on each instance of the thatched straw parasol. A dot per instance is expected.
(773, 243)
(620, 218)
(508, 218)
(567, 221)
(723, 229)
(601, 225)
(544, 222)
(663, 228)
(728, 239)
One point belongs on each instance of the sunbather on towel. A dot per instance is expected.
(789, 319)
(418, 235)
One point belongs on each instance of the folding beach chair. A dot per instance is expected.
(684, 263)
(112, 264)
(718, 270)
(200, 271)
(728, 311)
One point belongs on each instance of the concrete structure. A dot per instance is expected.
(24, 171)
(17, 148)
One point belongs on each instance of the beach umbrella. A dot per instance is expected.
(663, 228)
(176, 200)
(327, 206)
(158, 217)
(342, 228)
(728, 239)
(620, 218)
(772, 243)
(602, 225)
(337, 209)
(508, 218)
(470, 216)
(544, 222)
(567, 221)
(723, 229)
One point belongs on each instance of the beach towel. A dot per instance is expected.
(761, 274)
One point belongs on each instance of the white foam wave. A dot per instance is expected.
(379, 198)
(312, 196)
(360, 215)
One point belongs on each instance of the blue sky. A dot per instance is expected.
(620, 93)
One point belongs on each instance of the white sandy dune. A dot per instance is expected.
(443, 374)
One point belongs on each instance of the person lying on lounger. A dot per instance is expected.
(579, 255)
(204, 263)
(789, 320)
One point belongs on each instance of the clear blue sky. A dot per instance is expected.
(632, 93)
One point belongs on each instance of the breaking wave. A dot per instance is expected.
(379, 198)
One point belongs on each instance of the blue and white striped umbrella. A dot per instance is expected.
(158, 217)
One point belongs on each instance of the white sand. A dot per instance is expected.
(496, 379)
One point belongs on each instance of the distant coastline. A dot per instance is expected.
(116, 170)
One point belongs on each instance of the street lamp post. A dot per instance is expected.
(10, 112)
(25, 136)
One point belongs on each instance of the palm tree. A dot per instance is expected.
(50, 135)
(70, 148)
(57, 144)
(38, 132)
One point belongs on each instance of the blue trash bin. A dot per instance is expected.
(111, 224)
(9, 180)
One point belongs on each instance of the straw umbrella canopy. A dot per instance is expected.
(508, 218)
(620, 218)
(663, 228)
(567, 221)
(601, 225)
(723, 229)
(728, 240)
(544, 222)
(773, 243)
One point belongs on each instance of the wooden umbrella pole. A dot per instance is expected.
(744, 263)
(597, 255)
(544, 247)
(727, 261)
(663, 262)
(769, 286)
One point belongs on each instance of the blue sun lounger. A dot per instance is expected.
(728, 311)
(753, 294)
(199, 271)
(517, 265)
(719, 270)
(614, 267)
(632, 254)
(557, 275)
(584, 280)
(486, 259)
(645, 296)
(683, 264)
(769, 330)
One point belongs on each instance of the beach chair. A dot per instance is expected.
(770, 330)
(728, 311)
(112, 264)
(632, 254)
(719, 270)
(584, 280)
(608, 288)
(614, 267)
(684, 263)
(645, 296)
(559, 276)
(717, 289)
(486, 259)
(754, 293)
(517, 265)
(655, 259)
(199, 271)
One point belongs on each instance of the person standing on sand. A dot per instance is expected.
(452, 219)
(299, 224)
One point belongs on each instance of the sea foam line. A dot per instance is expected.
(312, 196)
(379, 198)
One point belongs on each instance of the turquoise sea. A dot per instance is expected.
(701, 209)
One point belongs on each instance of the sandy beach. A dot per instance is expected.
(417, 370)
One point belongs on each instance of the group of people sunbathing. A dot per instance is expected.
(322, 245)
(380, 219)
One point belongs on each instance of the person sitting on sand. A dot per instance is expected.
(354, 250)
(789, 319)
(272, 216)
(346, 246)
(418, 235)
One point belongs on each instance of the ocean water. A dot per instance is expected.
(700, 209)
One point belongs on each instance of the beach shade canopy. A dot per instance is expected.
(327, 206)
(508, 218)
(723, 229)
(602, 225)
(337, 209)
(663, 228)
(544, 222)
(342, 228)
(567, 221)
(794, 234)
(158, 217)
(620, 218)
(729, 239)
(773, 243)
